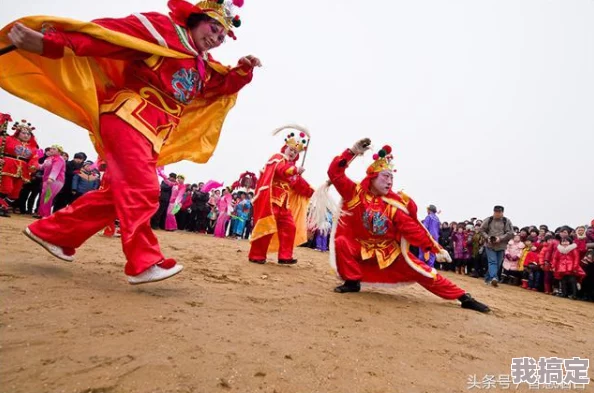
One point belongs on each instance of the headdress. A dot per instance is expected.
(60, 148)
(4, 120)
(298, 141)
(22, 126)
(220, 10)
(382, 161)
(247, 181)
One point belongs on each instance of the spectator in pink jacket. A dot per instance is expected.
(511, 266)
(54, 171)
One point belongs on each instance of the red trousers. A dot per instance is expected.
(11, 186)
(351, 266)
(285, 226)
(131, 194)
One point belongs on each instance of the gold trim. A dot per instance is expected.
(145, 93)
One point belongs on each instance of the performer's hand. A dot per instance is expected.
(361, 146)
(300, 170)
(249, 61)
(26, 39)
(1, 161)
(443, 256)
(50, 180)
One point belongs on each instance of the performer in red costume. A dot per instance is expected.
(372, 237)
(280, 203)
(149, 92)
(18, 160)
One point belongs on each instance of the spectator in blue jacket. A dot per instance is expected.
(86, 180)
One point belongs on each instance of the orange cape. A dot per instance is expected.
(68, 87)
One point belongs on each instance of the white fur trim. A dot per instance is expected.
(404, 247)
(320, 203)
(151, 29)
(568, 249)
(294, 127)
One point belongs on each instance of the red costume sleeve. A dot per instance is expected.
(337, 174)
(85, 45)
(285, 170)
(413, 231)
(231, 83)
(302, 187)
(33, 163)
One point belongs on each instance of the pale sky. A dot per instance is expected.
(484, 102)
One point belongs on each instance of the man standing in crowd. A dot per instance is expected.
(497, 231)
(158, 219)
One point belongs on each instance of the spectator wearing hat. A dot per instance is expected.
(497, 231)
(85, 180)
(65, 196)
(432, 223)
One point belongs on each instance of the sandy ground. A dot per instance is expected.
(225, 325)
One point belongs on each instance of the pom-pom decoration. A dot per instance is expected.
(236, 21)
(381, 153)
(387, 149)
(375, 156)
(238, 3)
(302, 134)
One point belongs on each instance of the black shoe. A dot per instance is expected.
(348, 286)
(287, 261)
(4, 213)
(258, 261)
(468, 302)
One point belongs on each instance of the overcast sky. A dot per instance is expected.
(484, 102)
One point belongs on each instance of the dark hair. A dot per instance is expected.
(568, 238)
(195, 19)
(498, 208)
(548, 237)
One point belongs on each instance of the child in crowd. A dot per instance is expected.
(566, 267)
(511, 267)
(529, 260)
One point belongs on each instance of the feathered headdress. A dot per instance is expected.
(297, 141)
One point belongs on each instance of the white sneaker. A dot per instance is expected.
(154, 274)
(56, 251)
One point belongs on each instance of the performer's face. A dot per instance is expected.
(291, 153)
(53, 151)
(24, 136)
(382, 184)
(208, 35)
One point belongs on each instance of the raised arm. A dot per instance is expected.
(414, 232)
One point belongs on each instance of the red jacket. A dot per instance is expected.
(530, 257)
(566, 261)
